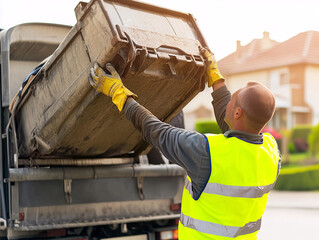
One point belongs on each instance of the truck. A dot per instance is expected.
(53, 196)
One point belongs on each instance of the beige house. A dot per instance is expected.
(290, 69)
(199, 108)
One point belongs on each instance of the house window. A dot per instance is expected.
(278, 79)
(283, 79)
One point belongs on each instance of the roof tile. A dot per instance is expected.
(302, 48)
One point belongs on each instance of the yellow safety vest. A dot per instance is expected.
(234, 199)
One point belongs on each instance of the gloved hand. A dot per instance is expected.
(212, 71)
(110, 85)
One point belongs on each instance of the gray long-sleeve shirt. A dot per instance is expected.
(185, 148)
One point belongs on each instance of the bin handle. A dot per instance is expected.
(170, 49)
(131, 54)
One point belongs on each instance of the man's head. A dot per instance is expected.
(250, 108)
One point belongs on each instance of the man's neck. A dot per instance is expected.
(248, 137)
(241, 126)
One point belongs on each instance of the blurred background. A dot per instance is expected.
(272, 42)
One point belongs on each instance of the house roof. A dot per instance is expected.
(302, 48)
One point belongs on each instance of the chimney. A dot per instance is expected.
(238, 45)
(238, 50)
(266, 42)
(266, 35)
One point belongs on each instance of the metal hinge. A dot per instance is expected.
(67, 190)
(140, 183)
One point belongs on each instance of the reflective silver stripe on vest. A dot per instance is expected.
(218, 229)
(232, 191)
(188, 186)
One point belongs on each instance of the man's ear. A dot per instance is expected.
(238, 113)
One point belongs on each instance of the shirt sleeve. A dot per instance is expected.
(221, 98)
(184, 148)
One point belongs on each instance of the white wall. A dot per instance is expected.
(240, 80)
(312, 91)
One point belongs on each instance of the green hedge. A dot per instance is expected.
(299, 138)
(298, 179)
(314, 141)
(207, 126)
(301, 132)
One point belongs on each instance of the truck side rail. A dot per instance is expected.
(94, 172)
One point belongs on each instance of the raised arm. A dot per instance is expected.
(221, 95)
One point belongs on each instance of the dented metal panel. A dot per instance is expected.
(156, 52)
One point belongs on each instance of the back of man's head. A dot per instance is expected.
(257, 103)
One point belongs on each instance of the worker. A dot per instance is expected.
(229, 175)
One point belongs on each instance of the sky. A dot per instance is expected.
(222, 22)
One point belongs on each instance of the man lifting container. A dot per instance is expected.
(229, 175)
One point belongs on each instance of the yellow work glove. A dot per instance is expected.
(110, 85)
(212, 71)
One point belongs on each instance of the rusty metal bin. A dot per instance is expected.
(156, 52)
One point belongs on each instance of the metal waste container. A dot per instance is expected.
(156, 52)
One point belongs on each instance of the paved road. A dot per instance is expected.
(291, 216)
